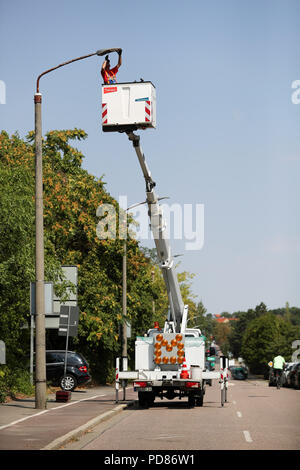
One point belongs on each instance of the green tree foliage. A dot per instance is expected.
(221, 334)
(260, 334)
(202, 320)
(198, 317)
(265, 337)
(17, 241)
(239, 327)
(185, 284)
(16, 247)
(291, 314)
(71, 199)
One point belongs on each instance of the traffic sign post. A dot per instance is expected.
(2, 352)
(68, 326)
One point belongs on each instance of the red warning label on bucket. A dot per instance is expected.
(110, 89)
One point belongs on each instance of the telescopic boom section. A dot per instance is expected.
(178, 311)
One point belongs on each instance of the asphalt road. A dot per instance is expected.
(22, 427)
(256, 417)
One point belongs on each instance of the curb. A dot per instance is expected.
(60, 441)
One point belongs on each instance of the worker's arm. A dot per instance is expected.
(104, 64)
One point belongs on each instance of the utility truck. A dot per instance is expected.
(169, 361)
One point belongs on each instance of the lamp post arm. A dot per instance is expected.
(61, 65)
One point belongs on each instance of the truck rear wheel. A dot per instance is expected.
(199, 400)
(191, 401)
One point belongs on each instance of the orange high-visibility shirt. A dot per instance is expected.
(109, 76)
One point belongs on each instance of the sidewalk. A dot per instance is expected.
(22, 427)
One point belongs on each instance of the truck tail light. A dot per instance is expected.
(192, 384)
(140, 384)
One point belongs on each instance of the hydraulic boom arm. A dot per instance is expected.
(178, 311)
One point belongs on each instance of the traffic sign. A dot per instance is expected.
(68, 321)
(48, 295)
(71, 279)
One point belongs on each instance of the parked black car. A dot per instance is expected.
(293, 376)
(297, 377)
(77, 369)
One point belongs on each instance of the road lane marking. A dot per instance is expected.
(46, 411)
(239, 414)
(22, 419)
(174, 436)
(247, 436)
(234, 402)
(73, 402)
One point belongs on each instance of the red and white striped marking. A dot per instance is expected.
(104, 113)
(117, 374)
(147, 111)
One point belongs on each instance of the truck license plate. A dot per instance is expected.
(143, 389)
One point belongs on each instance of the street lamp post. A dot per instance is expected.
(124, 292)
(40, 370)
(124, 308)
(124, 299)
(40, 367)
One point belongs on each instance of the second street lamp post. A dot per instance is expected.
(124, 291)
(124, 308)
(40, 367)
(124, 297)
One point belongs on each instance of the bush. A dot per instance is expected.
(13, 382)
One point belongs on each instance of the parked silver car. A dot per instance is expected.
(286, 371)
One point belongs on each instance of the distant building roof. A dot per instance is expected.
(221, 319)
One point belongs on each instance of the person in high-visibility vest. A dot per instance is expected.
(108, 74)
(278, 366)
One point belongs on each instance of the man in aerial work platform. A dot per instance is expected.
(108, 74)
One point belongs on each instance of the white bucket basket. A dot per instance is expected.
(128, 106)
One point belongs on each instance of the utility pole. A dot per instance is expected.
(124, 311)
(124, 308)
(153, 301)
(124, 294)
(40, 366)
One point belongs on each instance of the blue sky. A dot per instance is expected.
(227, 131)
